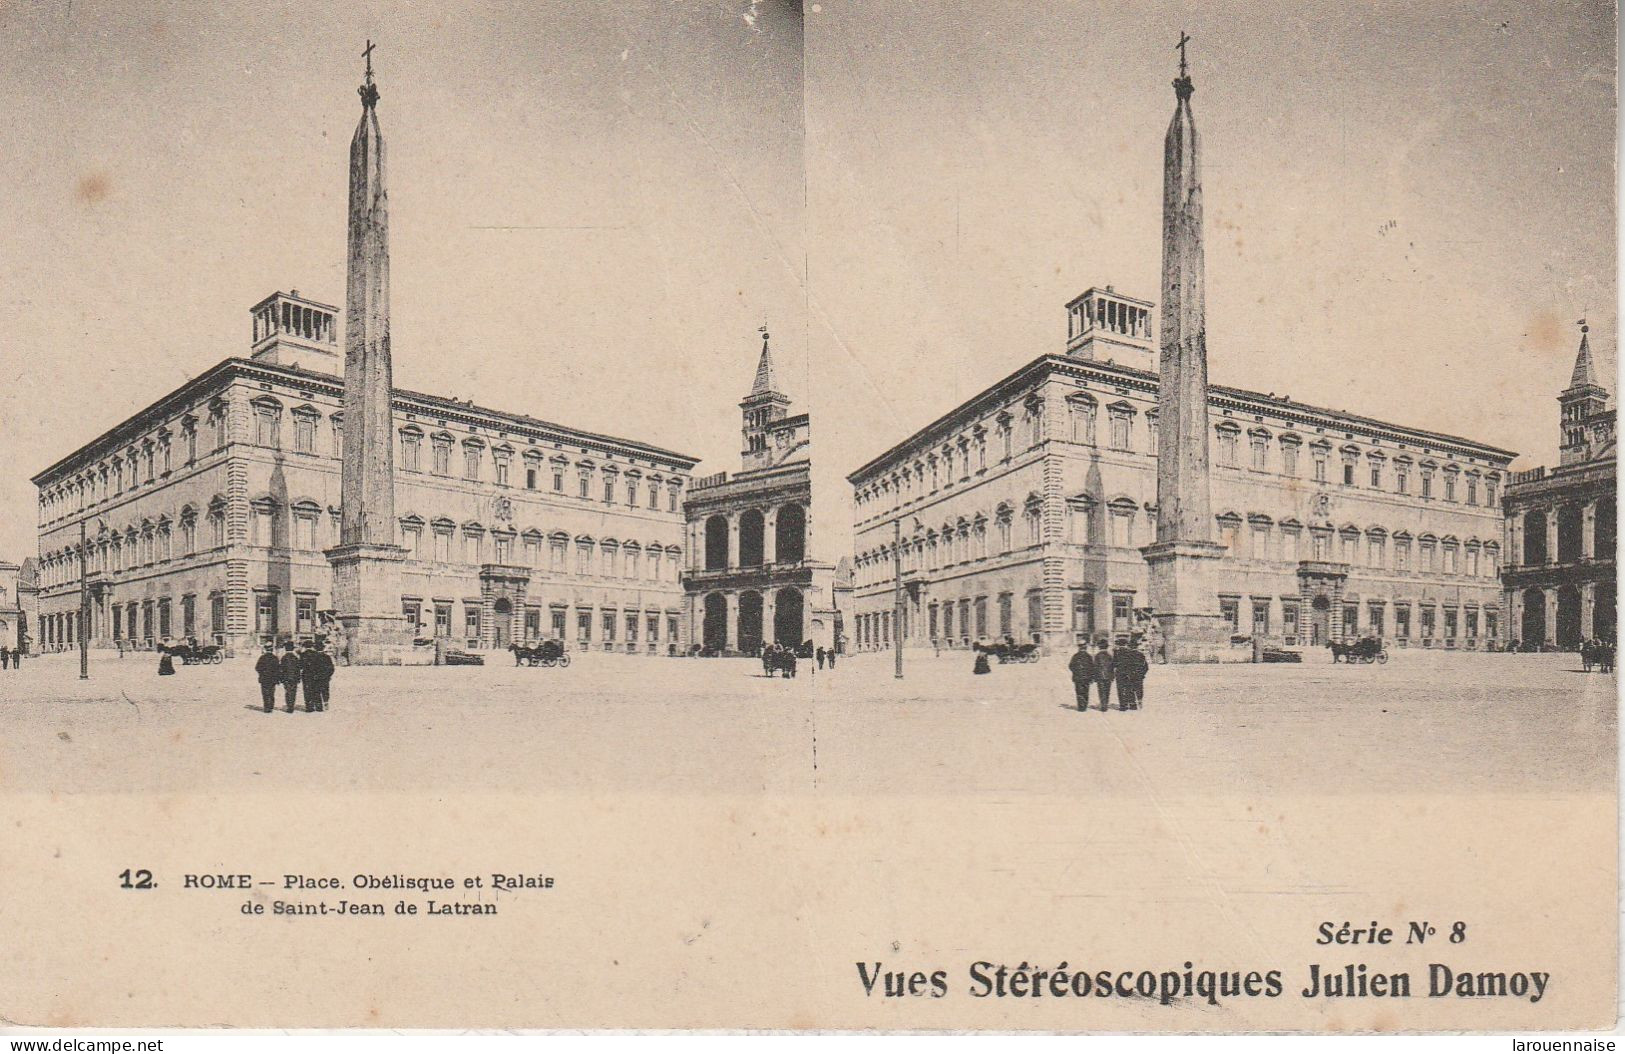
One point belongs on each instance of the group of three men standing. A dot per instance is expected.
(311, 667)
(1124, 666)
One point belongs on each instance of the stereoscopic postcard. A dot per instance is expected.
(1089, 516)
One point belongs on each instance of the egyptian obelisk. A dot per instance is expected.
(367, 562)
(1181, 562)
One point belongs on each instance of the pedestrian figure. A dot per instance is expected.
(324, 683)
(831, 657)
(290, 668)
(981, 663)
(17, 658)
(166, 664)
(5, 658)
(1105, 663)
(269, 672)
(314, 669)
(1083, 673)
(1131, 667)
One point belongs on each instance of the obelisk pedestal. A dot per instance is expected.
(1182, 595)
(367, 598)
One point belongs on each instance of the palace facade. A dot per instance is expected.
(207, 514)
(1022, 512)
(1562, 525)
(752, 579)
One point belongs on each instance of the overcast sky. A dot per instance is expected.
(594, 206)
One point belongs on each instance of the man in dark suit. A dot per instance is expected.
(310, 676)
(1105, 669)
(269, 671)
(1083, 673)
(290, 675)
(1131, 669)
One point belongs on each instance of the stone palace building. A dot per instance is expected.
(752, 578)
(1023, 511)
(1562, 525)
(207, 513)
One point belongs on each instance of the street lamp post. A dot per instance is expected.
(84, 609)
(897, 592)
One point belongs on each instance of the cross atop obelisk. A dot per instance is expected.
(1184, 38)
(368, 90)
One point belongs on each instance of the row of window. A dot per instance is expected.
(614, 485)
(1374, 547)
(149, 620)
(966, 619)
(305, 528)
(963, 619)
(153, 619)
(144, 462)
(582, 555)
(1123, 523)
(959, 457)
(550, 623)
(955, 460)
(1378, 473)
(152, 542)
(1457, 621)
(149, 459)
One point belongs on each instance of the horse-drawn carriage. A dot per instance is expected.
(544, 653)
(1009, 651)
(191, 654)
(777, 658)
(1366, 649)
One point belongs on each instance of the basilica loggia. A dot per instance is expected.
(752, 577)
(1561, 525)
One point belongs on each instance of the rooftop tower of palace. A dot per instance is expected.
(1105, 491)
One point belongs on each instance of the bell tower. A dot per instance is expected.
(1583, 402)
(764, 405)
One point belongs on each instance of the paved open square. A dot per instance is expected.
(1446, 722)
(724, 832)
